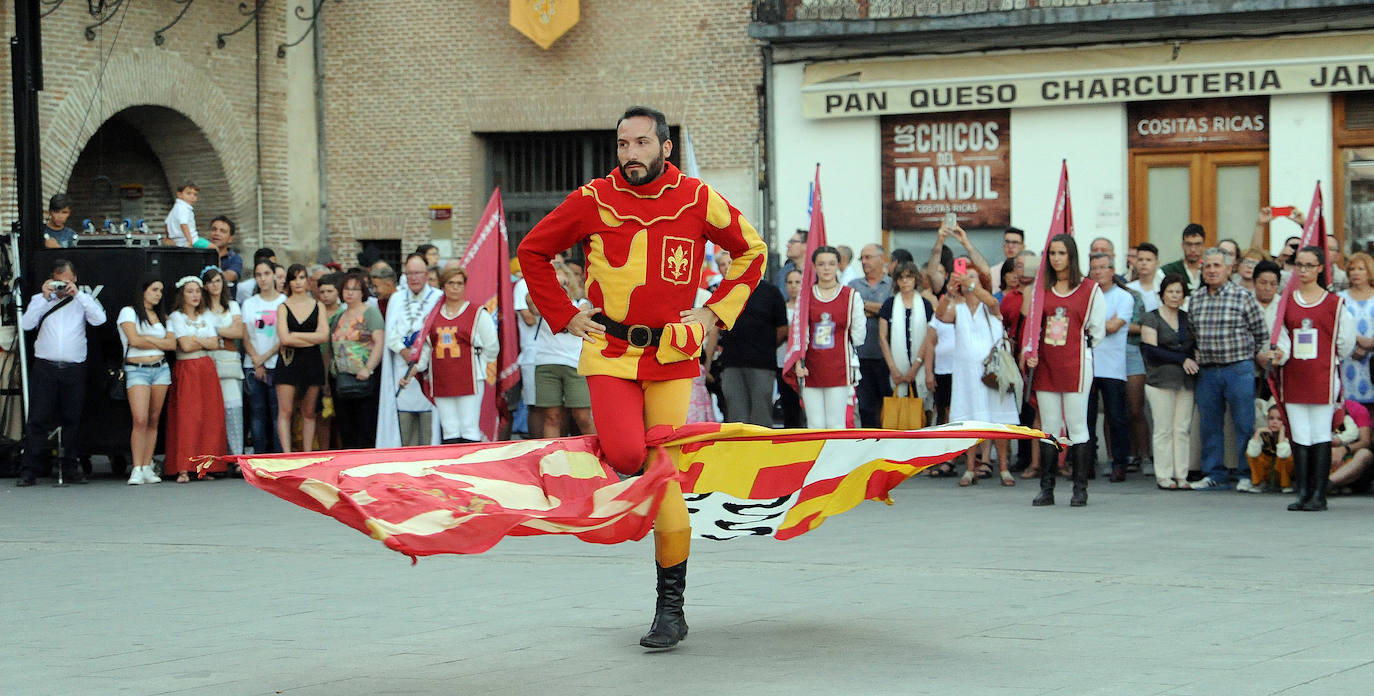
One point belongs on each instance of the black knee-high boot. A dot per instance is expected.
(1302, 471)
(1049, 464)
(670, 623)
(1082, 458)
(1319, 480)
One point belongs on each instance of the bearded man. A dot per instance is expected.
(643, 229)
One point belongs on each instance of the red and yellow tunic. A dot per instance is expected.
(644, 246)
(1065, 359)
(1312, 378)
(451, 363)
(827, 351)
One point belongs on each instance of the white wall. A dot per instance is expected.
(1093, 141)
(1299, 156)
(848, 152)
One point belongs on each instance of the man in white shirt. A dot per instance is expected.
(405, 416)
(57, 384)
(1109, 364)
(528, 323)
(181, 221)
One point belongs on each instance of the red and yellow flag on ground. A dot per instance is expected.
(543, 21)
(739, 480)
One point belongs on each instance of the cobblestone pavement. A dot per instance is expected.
(217, 588)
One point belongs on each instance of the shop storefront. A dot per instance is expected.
(1155, 136)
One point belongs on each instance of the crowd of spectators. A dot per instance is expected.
(1164, 348)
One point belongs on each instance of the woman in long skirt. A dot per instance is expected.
(195, 409)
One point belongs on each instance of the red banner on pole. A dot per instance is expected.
(487, 262)
(797, 340)
(1061, 223)
(1313, 234)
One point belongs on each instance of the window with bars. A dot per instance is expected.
(536, 171)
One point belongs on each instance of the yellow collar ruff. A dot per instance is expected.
(664, 198)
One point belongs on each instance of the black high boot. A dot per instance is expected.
(1081, 458)
(1049, 463)
(1302, 471)
(1319, 478)
(670, 624)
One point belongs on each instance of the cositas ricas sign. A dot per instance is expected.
(957, 162)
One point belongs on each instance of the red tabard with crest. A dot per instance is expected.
(1311, 380)
(1063, 347)
(645, 248)
(451, 366)
(827, 355)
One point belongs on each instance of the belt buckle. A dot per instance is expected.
(639, 329)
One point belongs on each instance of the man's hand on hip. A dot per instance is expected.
(582, 325)
(700, 315)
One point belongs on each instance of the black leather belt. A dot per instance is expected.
(159, 363)
(60, 365)
(637, 335)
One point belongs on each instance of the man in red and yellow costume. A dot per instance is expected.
(644, 229)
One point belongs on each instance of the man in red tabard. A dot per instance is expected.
(643, 229)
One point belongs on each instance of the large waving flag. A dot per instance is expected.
(1060, 223)
(797, 339)
(739, 480)
(487, 262)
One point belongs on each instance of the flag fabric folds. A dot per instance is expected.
(739, 480)
(1060, 223)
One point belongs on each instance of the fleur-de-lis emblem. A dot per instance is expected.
(678, 262)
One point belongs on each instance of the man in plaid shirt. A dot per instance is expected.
(1230, 333)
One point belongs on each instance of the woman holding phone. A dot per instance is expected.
(1072, 317)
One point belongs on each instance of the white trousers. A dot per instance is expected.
(459, 416)
(1172, 410)
(825, 406)
(1311, 423)
(1060, 411)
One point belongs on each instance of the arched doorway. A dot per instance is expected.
(130, 168)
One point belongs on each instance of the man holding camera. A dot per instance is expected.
(57, 384)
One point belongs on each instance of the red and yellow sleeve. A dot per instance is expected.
(727, 229)
(565, 227)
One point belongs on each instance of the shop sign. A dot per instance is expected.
(1315, 75)
(946, 163)
(1200, 123)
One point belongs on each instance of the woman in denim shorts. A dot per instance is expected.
(143, 332)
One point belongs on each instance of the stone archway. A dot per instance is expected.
(195, 131)
(154, 149)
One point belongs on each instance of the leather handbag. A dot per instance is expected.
(348, 386)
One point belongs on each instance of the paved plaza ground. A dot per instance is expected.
(218, 588)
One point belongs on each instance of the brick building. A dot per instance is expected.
(420, 104)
